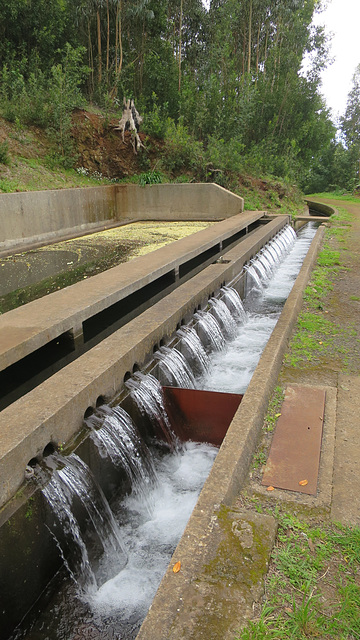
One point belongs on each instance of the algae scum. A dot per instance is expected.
(32, 274)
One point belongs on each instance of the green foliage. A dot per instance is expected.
(232, 86)
(155, 120)
(6, 186)
(300, 603)
(227, 156)
(4, 152)
(150, 177)
(182, 151)
(46, 100)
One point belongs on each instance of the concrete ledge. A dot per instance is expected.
(54, 411)
(38, 217)
(321, 207)
(27, 328)
(167, 618)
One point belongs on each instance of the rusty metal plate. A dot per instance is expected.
(295, 450)
(201, 416)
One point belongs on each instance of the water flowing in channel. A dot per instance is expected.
(231, 369)
(73, 482)
(218, 352)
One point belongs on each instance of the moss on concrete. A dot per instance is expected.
(233, 578)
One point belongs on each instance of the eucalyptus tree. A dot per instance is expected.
(350, 126)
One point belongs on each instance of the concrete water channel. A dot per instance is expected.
(75, 348)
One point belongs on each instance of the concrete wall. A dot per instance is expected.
(37, 217)
(54, 411)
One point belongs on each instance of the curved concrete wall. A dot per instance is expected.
(37, 217)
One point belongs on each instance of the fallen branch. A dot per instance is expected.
(130, 121)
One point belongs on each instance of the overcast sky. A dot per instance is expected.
(342, 17)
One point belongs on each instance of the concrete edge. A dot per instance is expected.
(326, 209)
(33, 218)
(54, 411)
(229, 471)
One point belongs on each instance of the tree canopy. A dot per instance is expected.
(230, 75)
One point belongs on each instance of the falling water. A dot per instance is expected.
(193, 350)
(266, 262)
(223, 315)
(117, 437)
(232, 368)
(254, 279)
(174, 368)
(74, 481)
(209, 331)
(121, 602)
(147, 394)
(234, 303)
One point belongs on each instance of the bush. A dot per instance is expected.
(181, 149)
(4, 152)
(150, 177)
(155, 121)
(46, 101)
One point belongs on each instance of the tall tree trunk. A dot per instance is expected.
(180, 41)
(99, 45)
(107, 37)
(91, 57)
(249, 41)
(118, 47)
(257, 51)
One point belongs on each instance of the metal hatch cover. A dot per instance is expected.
(294, 458)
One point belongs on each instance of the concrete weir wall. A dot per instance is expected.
(38, 217)
(53, 413)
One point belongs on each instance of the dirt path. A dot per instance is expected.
(346, 479)
(339, 367)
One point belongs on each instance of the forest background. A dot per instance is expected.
(231, 88)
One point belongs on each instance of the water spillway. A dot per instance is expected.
(201, 321)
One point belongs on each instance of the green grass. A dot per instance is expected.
(273, 409)
(311, 589)
(347, 197)
(315, 333)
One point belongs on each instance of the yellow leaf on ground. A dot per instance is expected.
(270, 488)
(303, 483)
(177, 567)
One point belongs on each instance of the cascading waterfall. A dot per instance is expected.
(193, 350)
(209, 331)
(174, 368)
(147, 395)
(117, 437)
(263, 265)
(223, 315)
(149, 536)
(232, 368)
(72, 481)
(234, 303)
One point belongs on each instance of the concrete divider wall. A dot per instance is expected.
(54, 411)
(178, 202)
(37, 217)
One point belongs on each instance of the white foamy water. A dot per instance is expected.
(150, 529)
(150, 541)
(231, 369)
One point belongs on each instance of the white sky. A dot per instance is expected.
(342, 17)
